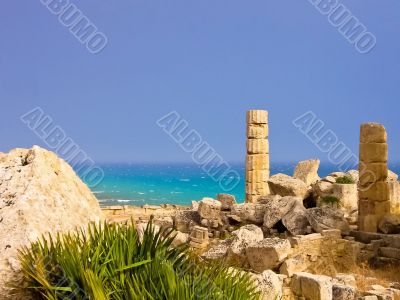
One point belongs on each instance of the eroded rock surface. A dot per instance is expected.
(307, 171)
(285, 185)
(323, 218)
(39, 193)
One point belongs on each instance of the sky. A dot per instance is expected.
(210, 61)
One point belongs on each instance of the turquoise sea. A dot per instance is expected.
(139, 184)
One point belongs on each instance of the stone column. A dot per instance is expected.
(257, 159)
(373, 189)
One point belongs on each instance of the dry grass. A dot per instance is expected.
(366, 276)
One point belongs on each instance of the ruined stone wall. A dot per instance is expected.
(257, 159)
(373, 189)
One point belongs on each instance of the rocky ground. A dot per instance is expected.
(300, 242)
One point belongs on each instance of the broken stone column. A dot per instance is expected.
(373, 190)
(257, 159)
(199, 238)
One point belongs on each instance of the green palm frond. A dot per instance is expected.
(109, 261)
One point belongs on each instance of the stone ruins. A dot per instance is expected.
(300, 236)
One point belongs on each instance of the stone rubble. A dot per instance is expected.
(299, 236)
(292, 232)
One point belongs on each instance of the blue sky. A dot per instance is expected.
(208, 60)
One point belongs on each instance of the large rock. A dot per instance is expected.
(277, 208)
(347, 195)
(297, 263)
(218, 251)
(210, 209)
(270, 285)
(296, 220)
(179, 238)
(284, 185)
(242, 238)
(227, 201)
(323, 188)
(390, 224)
(312, 287)
(323, 218)
(307, 171)
(343, 292)
(39, 194)
(268, 253)
(184, 220)
(249, 212)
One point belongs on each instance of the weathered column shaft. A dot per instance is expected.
(373, 189)
(257, 159)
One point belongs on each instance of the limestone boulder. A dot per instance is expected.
(309, 286)
(269, 284)
(323, 188)
(277, 208)
(241, 239)
(390, 224)
(218, 251)
(347, 195)
(268, 253)
(179, 238)
(184, 220)
(297, 263)
(284, 185)
(323, 218)
(296, 220)
(210, 209)
(249, 212)
(343, 292)
(39, 194)
(307, 171)
(345, 279)
(227, 201)
(383, 293)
